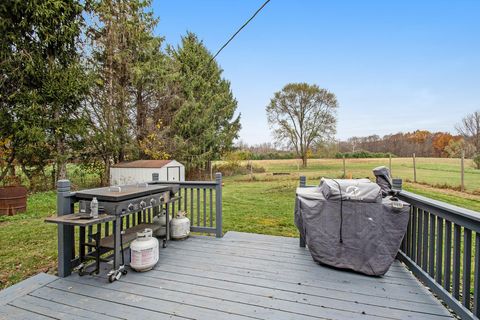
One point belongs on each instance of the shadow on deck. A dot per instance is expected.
(240, 276)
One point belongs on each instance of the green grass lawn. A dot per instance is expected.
(260, 204)
(28, 245)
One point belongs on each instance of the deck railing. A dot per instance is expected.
(439, 250)
(202, 201)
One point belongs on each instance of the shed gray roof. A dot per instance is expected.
(142, 164)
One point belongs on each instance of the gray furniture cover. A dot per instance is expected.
(358, 233)
(383, 179)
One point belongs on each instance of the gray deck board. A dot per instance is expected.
(24, 287)
(59, 310)
(240, 276)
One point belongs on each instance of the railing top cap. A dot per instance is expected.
(445, 207)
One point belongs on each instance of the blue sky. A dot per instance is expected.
(394, 65)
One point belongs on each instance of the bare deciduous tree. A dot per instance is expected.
(302, 115)
(469, 128)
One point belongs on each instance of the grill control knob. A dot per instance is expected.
(153, 202)
(130, 207)
(143, 204)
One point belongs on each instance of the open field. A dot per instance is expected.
(261, 204)
(440, 172)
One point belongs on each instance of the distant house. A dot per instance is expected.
(143, 170)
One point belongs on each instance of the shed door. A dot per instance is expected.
(173, 173)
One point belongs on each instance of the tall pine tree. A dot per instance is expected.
(204, 126)
(41, 86)
(127, 64)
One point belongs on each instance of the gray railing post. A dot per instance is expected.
(303, 183)
(218, 205)
(66, 238)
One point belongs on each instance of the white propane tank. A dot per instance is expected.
(144, 251)
(180, 226)
(161, 220)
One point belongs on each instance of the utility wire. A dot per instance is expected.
(238, 31)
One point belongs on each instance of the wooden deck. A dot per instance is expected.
(241, 276)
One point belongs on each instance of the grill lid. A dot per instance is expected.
(124, 192)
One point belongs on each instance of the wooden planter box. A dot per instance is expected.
(13, 199)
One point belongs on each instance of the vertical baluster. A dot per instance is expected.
(191, 206)
(198, 207)
(419, 236)
(476, 283)
(413, 252)
(211, 208)
(431, 246)
(457, 232)
(128, 221)
(425, 241)
(204, 207)
(185, 194)
(467, 266)
(180, 200)
(173, 208)
(107, 229)
(408, 236)
(167, 220)
(439, 254)
(448, 254)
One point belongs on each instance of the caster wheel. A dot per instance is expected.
(124, 272)
(111, 278)
(164, 244)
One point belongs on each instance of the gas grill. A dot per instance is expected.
(121, 200)
(114, 203)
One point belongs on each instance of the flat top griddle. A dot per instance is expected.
(125, 192)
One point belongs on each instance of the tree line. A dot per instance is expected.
(423, 142)
(90, 82)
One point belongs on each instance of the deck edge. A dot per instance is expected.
(24, 287)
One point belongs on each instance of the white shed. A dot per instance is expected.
(143, 170)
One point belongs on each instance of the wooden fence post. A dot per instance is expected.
(218, 205)
(462, 174)
(344, 168)
(66, 238)
(414, 169)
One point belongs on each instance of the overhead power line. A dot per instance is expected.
(238, 31)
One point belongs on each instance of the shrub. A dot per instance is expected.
(234, 168)
(363, 154)
(476, 160)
